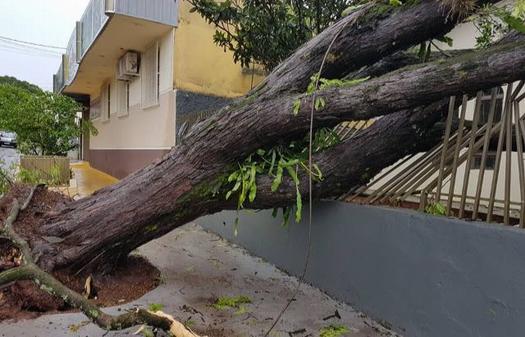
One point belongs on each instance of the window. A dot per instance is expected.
(490, 162)
(94, 111)
(122, 98)
(105, 101)
(150, 76)
(485, 106)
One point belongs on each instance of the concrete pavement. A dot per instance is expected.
(197, 267)
(9, 157)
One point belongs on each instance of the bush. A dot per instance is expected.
(45, 123)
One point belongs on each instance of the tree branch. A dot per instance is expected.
(30, 271)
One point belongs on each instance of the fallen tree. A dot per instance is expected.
(192, 180)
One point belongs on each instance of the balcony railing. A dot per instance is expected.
(93, 21)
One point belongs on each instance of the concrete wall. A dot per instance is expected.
(425, 276)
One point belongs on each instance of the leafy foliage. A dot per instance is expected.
(436, 209)
(493, 21)
(226, 302)
(333, 331)
(282, 160)
(45, 123)
(266, 32)
(154, 307)
(20, 84)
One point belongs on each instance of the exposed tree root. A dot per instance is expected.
(29, 270)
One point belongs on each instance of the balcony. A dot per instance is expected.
(106, 30)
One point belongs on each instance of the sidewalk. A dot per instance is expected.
(86, 180)
(197, 268)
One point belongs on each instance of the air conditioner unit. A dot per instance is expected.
(128, 66)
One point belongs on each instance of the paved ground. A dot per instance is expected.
(197, 267)
(8, 157)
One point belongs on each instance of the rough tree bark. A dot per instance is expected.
(176, 189)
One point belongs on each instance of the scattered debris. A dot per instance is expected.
(296, 332)
(335, 315)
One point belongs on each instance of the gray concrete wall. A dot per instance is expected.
(426, 276)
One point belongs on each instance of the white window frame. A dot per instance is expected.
(150, 76)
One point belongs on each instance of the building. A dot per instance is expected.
(144, 69)
(473, 188)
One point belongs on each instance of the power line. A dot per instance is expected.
(28, 47)
(31, 43)
(26, 52)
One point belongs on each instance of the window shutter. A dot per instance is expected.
(104, 101)
(149, 76)
(122, 98)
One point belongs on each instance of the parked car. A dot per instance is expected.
(8, 138)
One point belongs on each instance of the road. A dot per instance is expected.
(9, 157)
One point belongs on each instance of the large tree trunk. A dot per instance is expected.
(177, 188)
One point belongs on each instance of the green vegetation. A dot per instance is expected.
(8, 80)
(494, 21)
(282, 160)
(154, 307)
(436, 208)
(266, 32)
(45, 123)
(25, 176)
(333, 331)
(226, 302)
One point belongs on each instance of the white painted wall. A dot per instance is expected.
(151, 128)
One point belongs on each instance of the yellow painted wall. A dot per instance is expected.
(200, 65)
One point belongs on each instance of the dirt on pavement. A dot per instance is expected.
(21, 300)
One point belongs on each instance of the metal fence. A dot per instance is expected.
(476, 173)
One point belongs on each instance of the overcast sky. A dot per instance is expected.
(48, 22)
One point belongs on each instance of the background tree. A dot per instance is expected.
(266, 32)
(45, 123)
(21, 84)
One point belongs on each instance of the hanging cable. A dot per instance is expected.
(310, 169)
(31, 43)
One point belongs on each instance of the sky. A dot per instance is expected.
(48, 22)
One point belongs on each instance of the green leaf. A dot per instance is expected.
(253, 192)
(515, 23)
(154, 307)
(445, 39)
(272, 165)
(278, 178)
(296, 107)
(274, 212)
(395, 3)
(319, 104)
(237, 185)
(298, 204)
(286, 216)
(293, 174)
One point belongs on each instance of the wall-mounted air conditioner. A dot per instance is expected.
(128, 66)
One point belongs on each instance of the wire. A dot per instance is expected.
(20, 45)
(31, 43)
(310, 169)
(28, 53)
(22, 51)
